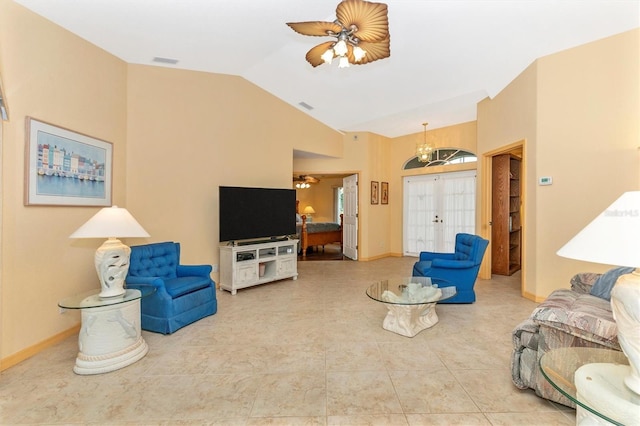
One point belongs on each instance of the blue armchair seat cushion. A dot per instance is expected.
(177, 287)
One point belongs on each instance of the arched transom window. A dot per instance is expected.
(442, 157)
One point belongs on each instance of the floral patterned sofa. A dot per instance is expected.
(566, 318)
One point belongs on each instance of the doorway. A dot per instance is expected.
(515, 150)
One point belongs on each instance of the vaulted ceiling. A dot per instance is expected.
(446, 55)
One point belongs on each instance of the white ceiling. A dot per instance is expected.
(446, 55)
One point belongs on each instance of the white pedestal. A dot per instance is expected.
(409, 320)
(601, 387)
(110, 338)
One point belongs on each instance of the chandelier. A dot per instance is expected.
(361, 33)
(424, 150)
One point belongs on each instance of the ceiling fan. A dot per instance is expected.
(306, 178)
(361, 31)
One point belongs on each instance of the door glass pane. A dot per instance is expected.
(420, 201)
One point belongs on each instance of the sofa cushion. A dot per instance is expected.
(603, 285)
(582, 315)
(177, 287)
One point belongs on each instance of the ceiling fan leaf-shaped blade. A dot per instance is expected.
(315, 28)
(314, 56)
(371, 19)
(375, 51)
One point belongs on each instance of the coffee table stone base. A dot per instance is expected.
(409, 320)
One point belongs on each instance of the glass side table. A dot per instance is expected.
(110, 337)
(593, 379)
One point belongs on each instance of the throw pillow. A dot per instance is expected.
(603, 285)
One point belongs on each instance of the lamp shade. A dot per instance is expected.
(612, 238)
(110, 222)
(308, 210)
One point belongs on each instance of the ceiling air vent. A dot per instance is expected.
(305, 105)
(165, 60)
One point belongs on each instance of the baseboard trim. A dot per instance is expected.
(27, 353)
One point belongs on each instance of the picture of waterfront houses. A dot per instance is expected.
(69, 168)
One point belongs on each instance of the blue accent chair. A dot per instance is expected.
(459, 268)
(184, 293)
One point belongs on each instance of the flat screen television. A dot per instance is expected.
(254, 213)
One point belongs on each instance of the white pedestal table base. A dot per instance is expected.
(110, 338)
(409, 320)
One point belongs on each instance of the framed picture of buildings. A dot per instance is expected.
(66, 168)
(374, 192)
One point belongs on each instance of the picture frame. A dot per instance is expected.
(384, 193)
(66, 168)
(374, 192)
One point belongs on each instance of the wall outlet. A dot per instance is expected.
(214, 268)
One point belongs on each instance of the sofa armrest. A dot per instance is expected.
(582, 282)
(580, 315)
(194, 270)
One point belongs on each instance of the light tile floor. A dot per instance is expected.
(305, 352)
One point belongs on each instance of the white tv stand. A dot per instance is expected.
(251, 264)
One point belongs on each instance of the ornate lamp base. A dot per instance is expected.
(625, 303)
(112, 265)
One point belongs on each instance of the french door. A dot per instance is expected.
(436, 208)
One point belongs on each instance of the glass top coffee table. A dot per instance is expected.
(593, 379)
(411, 302)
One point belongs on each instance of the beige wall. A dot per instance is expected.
(56, 77)
(190, 132)
(578, 112)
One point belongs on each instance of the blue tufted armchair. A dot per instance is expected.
(459, 268)
(184, 293)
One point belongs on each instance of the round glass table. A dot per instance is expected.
(593, 379)
(411, 302)
(110, 336)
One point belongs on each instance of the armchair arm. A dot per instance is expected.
(157, 282)
(427, 255)
(154, 281)
(194, 270)
(452, 264)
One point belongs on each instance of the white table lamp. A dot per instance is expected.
(308, 210)
(613, 238)
(112, 257)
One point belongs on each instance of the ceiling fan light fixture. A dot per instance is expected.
(327, 56)
(341, 48)
(358, 53)
(361, 34)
